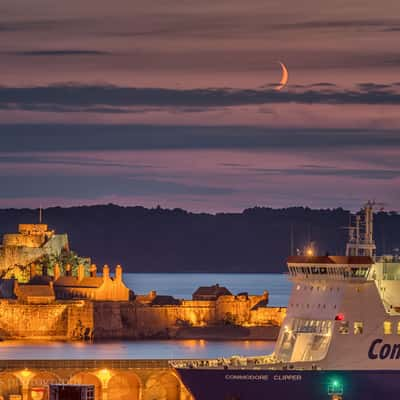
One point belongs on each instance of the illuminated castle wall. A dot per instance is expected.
(82, 304)
(32, 242)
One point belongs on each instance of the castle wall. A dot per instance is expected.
(16, 239)
(14, 255)
(83, 320)
(21, 320)
(24, 249)
(56, 243)
(133, 320)
(236, 308)
(80, 320)
(268, 316)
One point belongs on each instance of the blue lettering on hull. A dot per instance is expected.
(381, 351)
(242, 384)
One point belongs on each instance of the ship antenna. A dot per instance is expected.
(291, 239)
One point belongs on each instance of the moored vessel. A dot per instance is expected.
(340, 338)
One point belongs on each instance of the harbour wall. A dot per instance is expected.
(85, 319)
(129, 320)
(112, 379)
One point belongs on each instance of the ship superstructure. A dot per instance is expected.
(340, 338)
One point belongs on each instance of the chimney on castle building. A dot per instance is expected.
(93, 271)
(57, 272)
(81, 272)
(152, 294)
(106, 272)
(68, 271)
(118, 273)
(32, 270)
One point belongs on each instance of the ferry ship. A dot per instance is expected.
(340, 339)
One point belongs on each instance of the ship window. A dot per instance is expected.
(358, 328)
(344, 327)
(387, 328)
(398, 328)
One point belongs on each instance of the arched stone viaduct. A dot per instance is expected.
(113, 379)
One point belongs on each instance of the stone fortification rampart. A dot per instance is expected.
(73, 320)
(16, 239)
(28, 321)
(132, 320)
(32, 242)
(83, 304)
(88, 319)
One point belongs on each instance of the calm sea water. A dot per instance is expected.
(182, 286)
(147, 349)
(177, 285)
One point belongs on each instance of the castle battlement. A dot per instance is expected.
(94, 287)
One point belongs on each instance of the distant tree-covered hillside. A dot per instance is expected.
(159, 240)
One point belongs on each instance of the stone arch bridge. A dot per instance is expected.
(112, 379)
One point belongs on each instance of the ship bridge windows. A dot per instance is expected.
(331, 271)
(358, 328)
(344, 327)
(398, 328)
(304, 340)
(387, 328)
(359, 272)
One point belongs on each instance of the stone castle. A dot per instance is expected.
(40, 297)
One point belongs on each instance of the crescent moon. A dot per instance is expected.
(285, 77)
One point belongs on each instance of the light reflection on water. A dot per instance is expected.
(145, 349)
(180, 286)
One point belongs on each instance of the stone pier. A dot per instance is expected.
(112, 379)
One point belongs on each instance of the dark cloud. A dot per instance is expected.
(53, 137)
(96, 187)
(38, 53)
(49, 159)
(78, 96)
(328, 84)
(370, 174)
(372, 87)
(354, 24)
(98, 110)
(47, 25)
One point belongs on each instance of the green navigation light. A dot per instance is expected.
(335, 387)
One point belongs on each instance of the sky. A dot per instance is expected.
(174, 103)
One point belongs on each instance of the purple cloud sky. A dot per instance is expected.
(182, 93)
